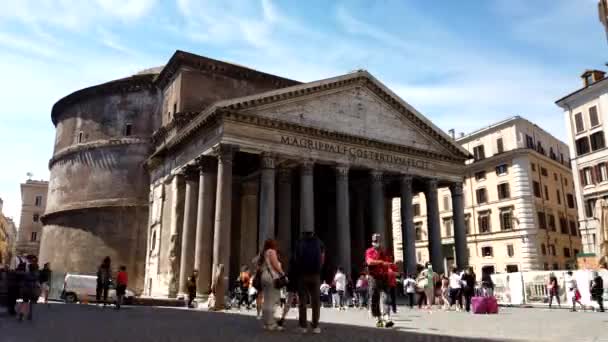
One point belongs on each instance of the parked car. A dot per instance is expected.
(80, 287)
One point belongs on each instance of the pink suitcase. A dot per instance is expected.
(491, 305)
(478, 305)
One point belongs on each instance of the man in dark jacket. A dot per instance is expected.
(309, 259)
(597, 290)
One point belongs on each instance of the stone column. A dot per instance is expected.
(174, 228)
(460, 235)
(267, 197)
(249, 221)
(204, 224)
(284, 214)
(408, 231)
(343, 219)
(433, 226)
(188, 230)
(222, 227)
(307, 197)
(377, 207)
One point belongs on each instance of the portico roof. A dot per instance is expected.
(362, 78)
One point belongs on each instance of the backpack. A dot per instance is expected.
(308, 256)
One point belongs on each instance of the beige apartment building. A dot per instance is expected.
(8, 234)
(585, 112)
(33, 203)
(520, 211)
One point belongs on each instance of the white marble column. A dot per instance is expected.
(222, 227)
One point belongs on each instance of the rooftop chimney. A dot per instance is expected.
(591, 76)
(452, 133)
(461, 134)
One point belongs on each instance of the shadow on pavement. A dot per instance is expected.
(67, 323)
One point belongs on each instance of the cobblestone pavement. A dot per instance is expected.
(67, 323)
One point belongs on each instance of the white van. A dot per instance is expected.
(78, 287)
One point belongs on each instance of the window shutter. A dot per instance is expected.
(582, 176)
(593, 175)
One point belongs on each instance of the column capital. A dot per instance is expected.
(285, 174)
(225, 153)
(456, 189)
(376, 175)
(268, 160)
(307, 166)
(342, 171)
(406, 181)
(431, 184)
(190, 172)
(206, 164)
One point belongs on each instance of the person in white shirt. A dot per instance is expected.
(409, 287)
(573, 292)
(324, 292)
(340, 281)
(455, 289)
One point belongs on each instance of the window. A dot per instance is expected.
(552, 154)
(418, 231)
(467, 224)
(544, 172)
(587, 176)
(536, 186)
(80, 137)
(561, 157)
(38, 201)
(447, 226)
(570, 200)
(416, 209)
(501, 169)
(565, 182)
(506, 219)
(546, 192)
(555, 266)
(539, 148)
(174, 108)
(593, 118)
(484, 222)
(34, 236)
(503, 191)
(555, 176)
(529, 141)
(153, 242)
(597, 141)
(573, 228)
(481, 196)
(499, 146)
(36, 217)
(582, 146)
(533, 167)
(510, 251)
(480, 175)
(552, 249)
(551, 222)
(563, 225)
(589, 207)
(601, 172)
(546, 266)
(543, 249)
(446, 203)
(566, 252)
(128, 130)
(478, 152)
(487, 251)
(512, 269)
(578, 122)
(542, 221)
(575, 252)
(559, 197)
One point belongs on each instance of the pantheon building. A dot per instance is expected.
(195, 164)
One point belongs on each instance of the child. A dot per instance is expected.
(409, 287)
(121, 286)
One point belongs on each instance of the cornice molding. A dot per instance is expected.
(68, 151)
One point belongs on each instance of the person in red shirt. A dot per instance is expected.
(122, 279)
(377, 264)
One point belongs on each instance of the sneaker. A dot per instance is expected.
(379, 324)
(316, 330)
(302, 330)
(389, 324)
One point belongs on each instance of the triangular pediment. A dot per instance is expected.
(362, 108)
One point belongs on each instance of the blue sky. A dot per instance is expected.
(463, 64)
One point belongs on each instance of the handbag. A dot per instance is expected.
(257, 280)
(280, 282)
